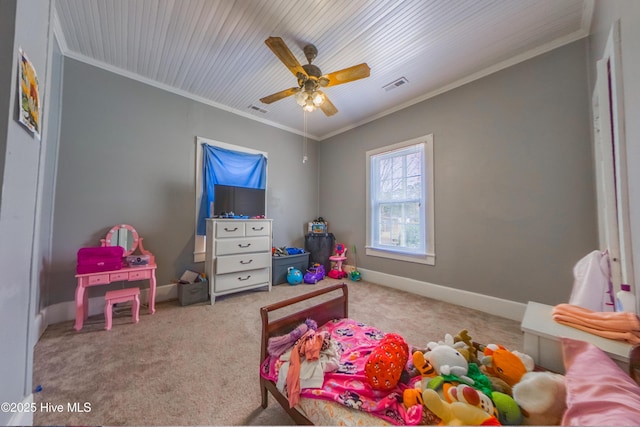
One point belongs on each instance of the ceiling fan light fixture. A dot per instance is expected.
(301, 98)
(309, 99)
(309, 106)
(318, 98)
(310, 78)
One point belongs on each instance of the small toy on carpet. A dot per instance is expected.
(294, 276)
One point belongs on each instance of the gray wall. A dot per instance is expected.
(22, 24)
(628, 12)
(514, 191)
(127, 155)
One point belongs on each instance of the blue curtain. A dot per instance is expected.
(228, 167)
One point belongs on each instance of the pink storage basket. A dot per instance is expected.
(96, 259)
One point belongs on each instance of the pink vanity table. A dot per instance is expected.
(126, 236)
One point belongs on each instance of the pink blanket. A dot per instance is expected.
(348, 386)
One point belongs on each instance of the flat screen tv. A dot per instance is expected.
(241, 201)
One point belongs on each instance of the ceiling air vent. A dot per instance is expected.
(256, 108)
(401, 81)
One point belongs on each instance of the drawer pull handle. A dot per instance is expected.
(240, 245)
(230, 229)
(257, 229)
(243, 279)
(246, 262)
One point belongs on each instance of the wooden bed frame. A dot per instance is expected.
(322, 312)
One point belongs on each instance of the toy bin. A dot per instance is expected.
(320, 247)
(193, 292)
(280, 266)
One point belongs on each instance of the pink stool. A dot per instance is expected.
(121, 295)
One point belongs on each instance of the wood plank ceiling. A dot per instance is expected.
(214, 51)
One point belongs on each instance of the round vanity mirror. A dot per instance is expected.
(123, 235)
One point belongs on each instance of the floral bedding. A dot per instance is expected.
(348, 385)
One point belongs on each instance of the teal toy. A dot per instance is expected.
(355, 274)
(294, 276)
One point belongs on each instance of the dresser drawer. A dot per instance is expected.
(139, 275)
(123, 275)
(226, 282)
(242, 245)
(256, 228)
(230, 229)
(230, 263)
(99, 279)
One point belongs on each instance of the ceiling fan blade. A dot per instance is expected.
(327, 107)
(279, 95)
(347, 75)
(280, 49)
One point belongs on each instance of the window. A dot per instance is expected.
(400, 201)
(200, 240)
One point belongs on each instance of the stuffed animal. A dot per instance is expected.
(469, 351)
(507, 365)
(509, 413)
(457, 413)
(448, 340)
(467, 394)
(447, 360)
(386, 362)
(412, 397)
(498, 384)
(541, 397)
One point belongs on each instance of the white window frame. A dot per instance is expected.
(610, 155)
(429, 254)
(199, 250)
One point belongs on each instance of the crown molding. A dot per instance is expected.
(577, 35)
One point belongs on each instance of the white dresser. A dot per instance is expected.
(238, 255)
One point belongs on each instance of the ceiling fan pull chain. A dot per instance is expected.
(304, 139)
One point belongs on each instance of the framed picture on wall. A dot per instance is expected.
(28, 94)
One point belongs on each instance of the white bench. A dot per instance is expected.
(542, 339)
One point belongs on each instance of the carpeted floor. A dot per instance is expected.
(198, 365)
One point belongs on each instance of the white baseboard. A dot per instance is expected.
(65, 311)
(485, 303)
(23, 418)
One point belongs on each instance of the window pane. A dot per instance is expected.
(398, 214)
(412, 225)
(414, 187)
(385, 225)
(384, 168)
(398, 189)
(399, 225)
(414, 164)
(386, 189)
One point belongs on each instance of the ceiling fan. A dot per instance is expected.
(310, 79)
